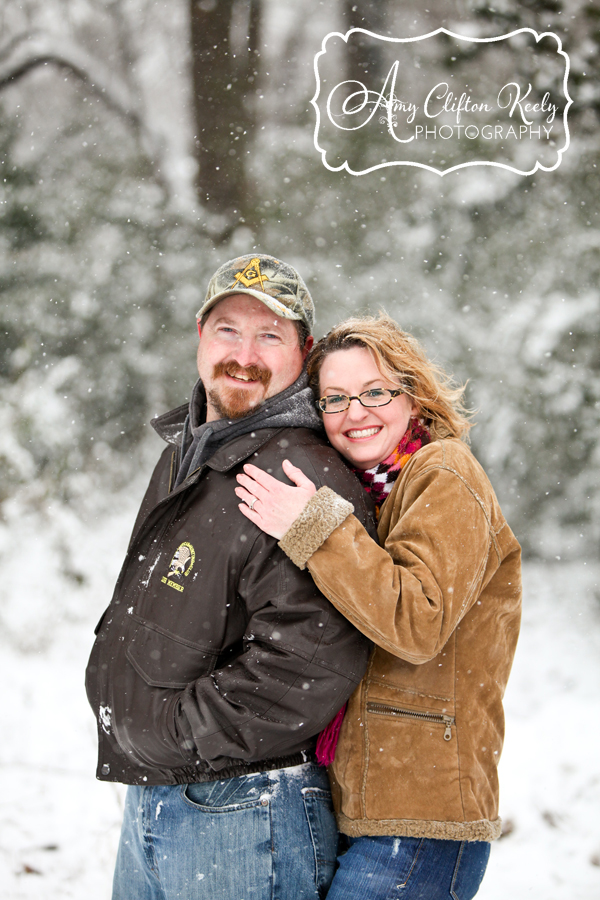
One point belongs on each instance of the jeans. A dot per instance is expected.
(269, 836)
(405, 868)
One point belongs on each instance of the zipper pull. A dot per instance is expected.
(448, 731)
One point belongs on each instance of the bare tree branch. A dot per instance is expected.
(33, 49)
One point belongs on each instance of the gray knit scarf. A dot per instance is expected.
(292, 408)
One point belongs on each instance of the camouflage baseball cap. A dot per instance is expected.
(274, 283)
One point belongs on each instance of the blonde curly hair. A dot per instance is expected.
(401, 360)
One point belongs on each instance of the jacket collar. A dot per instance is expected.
(292, 407)
(240, 448)
(169, 426)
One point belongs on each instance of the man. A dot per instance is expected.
(218, 662)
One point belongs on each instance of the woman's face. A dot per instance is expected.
(364, 436)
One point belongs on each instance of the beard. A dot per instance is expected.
(235, 403)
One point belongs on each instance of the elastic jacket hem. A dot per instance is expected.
(204, 773)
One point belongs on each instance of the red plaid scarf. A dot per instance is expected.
(378, 482)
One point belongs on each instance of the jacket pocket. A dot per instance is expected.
(413, 768)
(166, 660)
(382, 709)
(323, 834)
(230, 795)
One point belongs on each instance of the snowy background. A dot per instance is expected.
(142, 143)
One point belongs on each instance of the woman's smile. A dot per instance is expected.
(356, 434)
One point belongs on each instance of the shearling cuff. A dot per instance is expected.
(320, 517)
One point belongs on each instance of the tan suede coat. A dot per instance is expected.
(420, 743)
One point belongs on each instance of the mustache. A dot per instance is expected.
(254, 373)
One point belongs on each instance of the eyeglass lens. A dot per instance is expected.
(341, 402)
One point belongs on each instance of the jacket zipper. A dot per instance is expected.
(382, 709)
(172, 471)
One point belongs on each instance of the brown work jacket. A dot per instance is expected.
(420, 743)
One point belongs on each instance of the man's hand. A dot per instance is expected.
(269, 503)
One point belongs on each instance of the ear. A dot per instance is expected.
(307, 347)
(199, 328)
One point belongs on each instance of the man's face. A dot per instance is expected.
(245, 355)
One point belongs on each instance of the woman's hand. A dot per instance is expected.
(269, 503)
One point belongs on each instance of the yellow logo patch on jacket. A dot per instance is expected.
(182, 563)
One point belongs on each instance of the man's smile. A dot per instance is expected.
(243, 378)
(233, 373)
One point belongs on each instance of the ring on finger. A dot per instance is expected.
(252, 502)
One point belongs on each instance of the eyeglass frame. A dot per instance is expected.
(332, 412)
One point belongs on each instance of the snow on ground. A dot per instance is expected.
(550, 767)
(59, 827)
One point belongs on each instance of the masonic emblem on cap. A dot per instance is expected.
(251, 275)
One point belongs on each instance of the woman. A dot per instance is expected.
(414, 776)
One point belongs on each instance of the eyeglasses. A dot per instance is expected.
(337, 403)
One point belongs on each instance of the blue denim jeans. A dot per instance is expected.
(270, 836)
(403, 868)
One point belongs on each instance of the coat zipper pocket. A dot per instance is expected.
(381, 709)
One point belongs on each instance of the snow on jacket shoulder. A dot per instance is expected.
(217, 656)
(440, 598)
